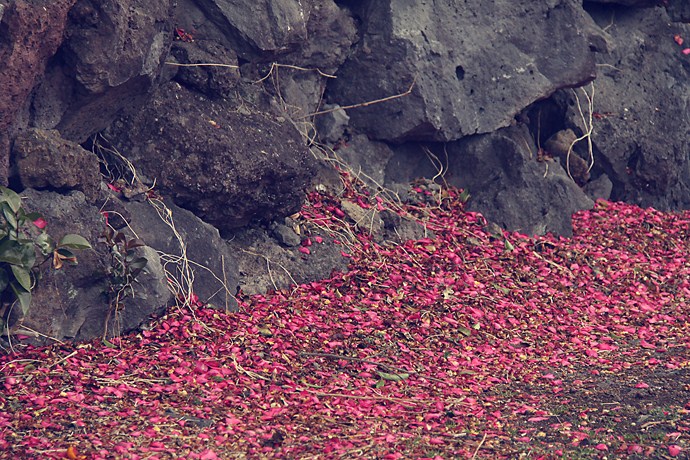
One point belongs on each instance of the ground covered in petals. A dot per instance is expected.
(460, 345)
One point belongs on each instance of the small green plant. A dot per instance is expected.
(125, 265)
(22, 237)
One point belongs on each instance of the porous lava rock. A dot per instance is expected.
(44, 160)
(507, 183)
(511, 187)
(207, 67)
(641, 99)
(30, 33)
(72, 302)
(110, 61)
(471, 66)
(230, 165)
(294, 46)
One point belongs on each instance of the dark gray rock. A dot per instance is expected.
(259, 25)
(330, 126)
(316, 33)
(285, 234)
(599, 188)
(510, 187)
(228, 164)
(507, 183)
(46, 161)
(109, 62)
(639, 3)
(214, 81)
(265, 265)
(364, 158)
(214, 274)
(72, 303)
(473, 65)
(678, 10)
(294, 45)
(399, 229)
(642, 96)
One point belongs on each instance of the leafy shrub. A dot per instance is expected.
(125, 264)
(22, 237)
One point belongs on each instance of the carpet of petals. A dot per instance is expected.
(460, 345)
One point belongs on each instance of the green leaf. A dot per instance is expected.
(11, 198)
(22, 276)
(136, 266)
(4, 279)
(464, 196)
(380, 384)
(23, 296)
(508, 245)
(28, 254)
(134, 243)
(108, 343)
(32, 216)
(393, 377)
(45, 243)
(74, 242)
(464, 331)
(10, 252)
(9, 216)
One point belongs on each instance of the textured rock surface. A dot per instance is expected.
(229, 165)
(44, 160)
(72, 302)
(313, 32)
(513, 189)
(474, 65)
(109, 61)
(213, 81)
(642, 96)
(507, 183)
(214, 265)
(265, 265)
(30, 33)
(259, 25)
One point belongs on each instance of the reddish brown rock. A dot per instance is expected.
(30, 33)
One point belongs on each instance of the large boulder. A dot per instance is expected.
(509, 183)
(299, 44)
(259, 25)
(229, 164)
(471, 66)
(315, 33)
(641, 107)
(216, 82)
(184, 255)
(73, 302)
(44, 160)
(193, 253)
(30, 33)
(110, 61)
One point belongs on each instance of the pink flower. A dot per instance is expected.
(40, 223)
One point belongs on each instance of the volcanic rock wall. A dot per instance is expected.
(220, 114)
